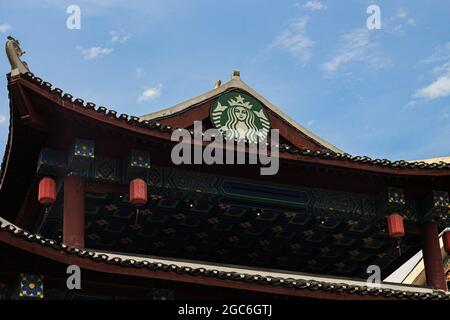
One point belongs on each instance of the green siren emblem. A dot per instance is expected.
(240, 117)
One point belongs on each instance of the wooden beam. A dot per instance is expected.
(26, 111)
(30, 208)
(74, 205)
(432, 258)
(99, 187)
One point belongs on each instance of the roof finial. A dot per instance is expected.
(218, 84)
(14, 52)
(236, 73)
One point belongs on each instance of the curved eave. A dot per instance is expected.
(151, 128)
(18, 164)
(237, 278)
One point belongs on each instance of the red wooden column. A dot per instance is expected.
(432, 258)
(74, 202)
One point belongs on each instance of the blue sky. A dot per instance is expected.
(383, 93)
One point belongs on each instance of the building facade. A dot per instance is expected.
(85, 186)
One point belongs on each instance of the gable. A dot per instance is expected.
(264, 115)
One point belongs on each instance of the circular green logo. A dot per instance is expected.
(240, 117)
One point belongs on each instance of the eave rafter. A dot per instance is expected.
(25, 110)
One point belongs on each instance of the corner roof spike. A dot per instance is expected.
(14, 52)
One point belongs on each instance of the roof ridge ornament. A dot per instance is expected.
(236, 74)
(14, 52)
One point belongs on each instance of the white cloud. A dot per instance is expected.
(114, 36)
(402, 13)
(117, 37)
(95, 52)
(5, 27)
(397, 23)
(437, 89)
(150, 93)
(440, 87)
(411, 104)
(295, 41)
(139, 72)
(356, 46)
(2, 119)
(310, 123)
(314, 5)
(443, 68)
(441, 53)
(411, 22)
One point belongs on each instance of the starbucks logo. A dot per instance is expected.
(240, 117)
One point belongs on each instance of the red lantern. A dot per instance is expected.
(395, 226)
(47, 191)
(138, 192)
(446, 240)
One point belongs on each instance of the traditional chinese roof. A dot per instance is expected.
(303, 146)
(44, 117)
(145, 126)
(258, 280)
(237, 83)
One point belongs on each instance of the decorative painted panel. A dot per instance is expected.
(190, 180)
(155, 177)
(139, 159)
(138, 164)
(80, 157)
(194, 185)
(106, 169)
(264, 192)
(51, 162)
(436, 206)
(391, 200)
(31, 286)
(343, 204)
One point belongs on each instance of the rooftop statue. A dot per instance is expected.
(14, 52)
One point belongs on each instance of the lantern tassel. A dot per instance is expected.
(399, 247)
(44, 217)
(137, 217)
(46, 210)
